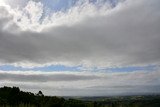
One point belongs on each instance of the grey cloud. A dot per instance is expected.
(51, 77)
(128, 35)
(92, 84)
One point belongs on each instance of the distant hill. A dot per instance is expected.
(14, 97)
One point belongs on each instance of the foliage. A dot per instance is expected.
(14, 97)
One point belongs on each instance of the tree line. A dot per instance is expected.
(14, 97)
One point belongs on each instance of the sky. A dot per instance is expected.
(80, 47)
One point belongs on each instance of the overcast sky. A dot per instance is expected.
(80, 47)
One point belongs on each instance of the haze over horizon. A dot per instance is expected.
(81, 47)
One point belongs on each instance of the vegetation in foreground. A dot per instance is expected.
(14, 97)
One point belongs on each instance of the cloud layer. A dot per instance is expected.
(125, 35)
(83, 83)
(85, 35)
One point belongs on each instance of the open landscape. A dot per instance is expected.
(79, 53)
(14, 97)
